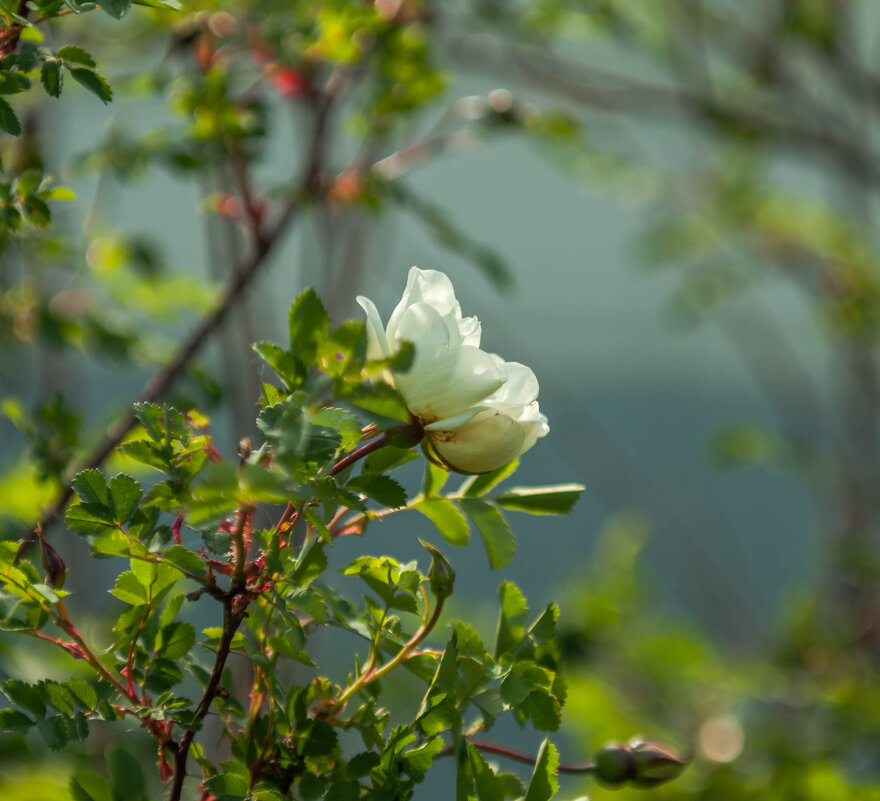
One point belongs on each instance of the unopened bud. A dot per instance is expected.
(441, 576)
(614, 764)
(641, 763)
(655, 763)
(56, 570)
(245, 446)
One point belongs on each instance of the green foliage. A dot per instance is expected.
(189, 537)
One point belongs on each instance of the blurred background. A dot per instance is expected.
(665, 209)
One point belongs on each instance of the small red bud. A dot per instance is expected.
(56, 570)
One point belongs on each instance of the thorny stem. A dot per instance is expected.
(70, 629)
(365, 450)
(232, 619)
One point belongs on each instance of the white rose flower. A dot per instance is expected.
(478, 411)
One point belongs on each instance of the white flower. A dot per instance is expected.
(479, 411)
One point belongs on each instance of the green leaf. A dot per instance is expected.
(125, 494)
(217, 541)
(175, 640)
(308, 324)
(9, 121)
(380, 400)
(544, 785)
(94, 82)
(11, 720)
(25, 695)
(512, 618)
(312, 562)
(116, 8)
(87, 518)
(91, 487)
(380, 488)
(316, 523)
(59, 696)
(544, 711)
(553, 500)
(51, 77)
(388, 458)
(348, 426)
(478, 485)
(447, 517)
(434, 479)
(281, 361)
(185, 559)
(75, 55)
(126, 776)
(83, 692)
(494, 529)
(54, 732)
(86, 785)
(489, 786)
(129, 590)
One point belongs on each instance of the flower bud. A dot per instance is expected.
(641, 763)
(440, 574)
(614, 765)
(655, 763)
(56, 570)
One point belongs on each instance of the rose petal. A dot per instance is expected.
(489, 440)
(447, 382)
(377, 342)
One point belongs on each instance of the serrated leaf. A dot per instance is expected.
(51, 77)
(83, 692)
(282, 362)
(185, 559)
(348, 426)
(380, 488)
(316, 523)
(9, 121)
(87, 518)
(308, 324)
(116, 8)
(129, 590)
(94, 82)
(312, 562)
(552, 500)
(75, 55)
(217, 541)
(11, 720)
(54, 732)
(544, 785)
(512, 618)
(380, 400)
(447, 517)
(125, 494)
(544, 711)
(494, 529)
(59, 696)
(489, 787)
(175, 640)
(25, 695)
(91, 487)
